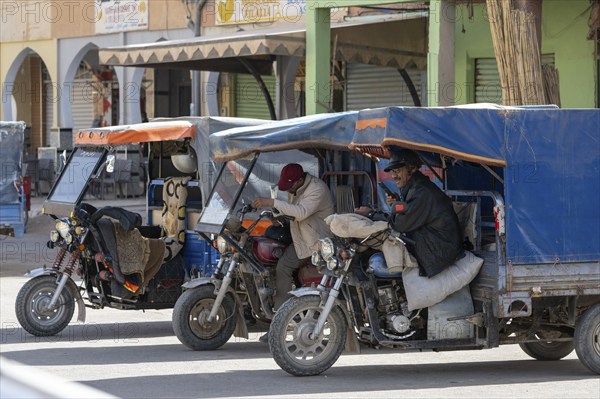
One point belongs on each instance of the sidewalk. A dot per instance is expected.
(132, 204)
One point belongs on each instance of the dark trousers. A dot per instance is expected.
(286, 266)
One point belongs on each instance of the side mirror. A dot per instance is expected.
(274, 190)
(110, 163)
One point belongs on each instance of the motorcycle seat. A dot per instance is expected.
(135, 259)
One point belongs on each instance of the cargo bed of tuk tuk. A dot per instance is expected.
(539, 169)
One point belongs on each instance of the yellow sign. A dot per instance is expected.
(251, 11)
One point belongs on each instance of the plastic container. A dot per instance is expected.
(200, 256)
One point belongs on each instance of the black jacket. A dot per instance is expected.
(430, 222)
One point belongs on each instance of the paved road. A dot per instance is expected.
(135, 355)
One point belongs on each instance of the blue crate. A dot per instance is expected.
(12, 218)
(200, 256)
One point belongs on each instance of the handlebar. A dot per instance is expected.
(271, 214)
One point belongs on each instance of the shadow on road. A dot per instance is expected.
(374, 378)
(118, 332)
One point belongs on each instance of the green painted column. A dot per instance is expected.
(318, 48)
(318, 56)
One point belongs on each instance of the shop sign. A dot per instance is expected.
(251, 11)
(121, 15)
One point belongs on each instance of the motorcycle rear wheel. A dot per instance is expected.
(290, 341)
(32, 311)
(190, 314)
(548, 351)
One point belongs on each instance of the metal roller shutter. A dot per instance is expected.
(82, 105)
(370, 86)
(249, 100)
(47, 118)
(487, 79)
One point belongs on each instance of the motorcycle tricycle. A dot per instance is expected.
(531, 277)
(105, 257)
(212, 309)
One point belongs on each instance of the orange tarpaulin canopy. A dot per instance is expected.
(139, 133)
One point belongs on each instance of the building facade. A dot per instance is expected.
(66, 65)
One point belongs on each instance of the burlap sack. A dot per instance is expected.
(354, 225)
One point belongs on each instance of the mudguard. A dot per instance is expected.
(351, 344)
(241, 330)
(70, 284)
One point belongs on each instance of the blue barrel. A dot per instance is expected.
(200, 256)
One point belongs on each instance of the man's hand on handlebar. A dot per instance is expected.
(260, 202)
(363, 211)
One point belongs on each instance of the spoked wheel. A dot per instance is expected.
(587, 338)
(33, 312)
(291, 339)
(190, 319)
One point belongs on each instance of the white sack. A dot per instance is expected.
(422, 292)
(353, 225)
(397, 257)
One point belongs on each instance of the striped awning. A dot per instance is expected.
(399, 44)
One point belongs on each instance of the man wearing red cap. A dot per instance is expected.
(309, 202)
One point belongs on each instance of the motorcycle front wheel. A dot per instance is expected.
(292, 343)
(33, 313)
(190, 319)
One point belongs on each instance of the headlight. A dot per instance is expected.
(54, 236)
(315, 259)
(62, 227)
(222, 246)
(79, 230)
(332, 264)
(68, 238)
(327, 248)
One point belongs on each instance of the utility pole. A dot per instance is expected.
(195, 26)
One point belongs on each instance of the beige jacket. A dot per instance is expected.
(310, 206)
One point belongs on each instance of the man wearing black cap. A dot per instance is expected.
(309, 202)
(426, 215)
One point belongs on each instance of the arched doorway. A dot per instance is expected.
(29, 97)
(94, 94)
(91, 92)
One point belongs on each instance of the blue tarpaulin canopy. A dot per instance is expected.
(472, 133)
(551, 161)
(332, 131)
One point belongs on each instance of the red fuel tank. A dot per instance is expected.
(266, 250)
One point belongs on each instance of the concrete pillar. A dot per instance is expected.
(130, 85)
(440, 59)
(210, 94)
(286, 70)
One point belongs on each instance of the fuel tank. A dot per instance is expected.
(266, 250)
